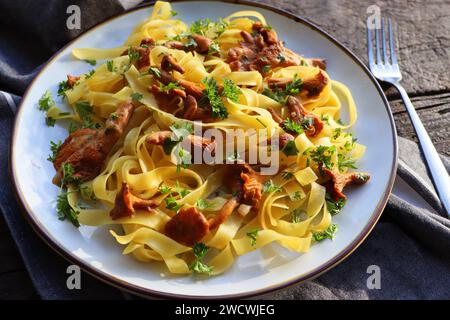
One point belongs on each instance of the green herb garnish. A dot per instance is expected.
(327, 234)
(253, 235)
(197, 266)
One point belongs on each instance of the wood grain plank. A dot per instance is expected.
(423, 31)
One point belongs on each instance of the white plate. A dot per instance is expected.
(255, 273)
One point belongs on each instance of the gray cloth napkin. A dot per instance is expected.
(409, 245)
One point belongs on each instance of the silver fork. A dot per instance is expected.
(389, 71)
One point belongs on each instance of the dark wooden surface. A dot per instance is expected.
(424, 55)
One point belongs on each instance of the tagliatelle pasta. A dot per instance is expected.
(204, 142)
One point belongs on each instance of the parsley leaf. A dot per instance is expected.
(334, 207)
(50, 122)
(213, 49)
(172, 204)
(345, 163)
(253, 235)
(54, 148)
(155, 72)
(65, 211)
(321, 155)
(46, 101)
(170, 86)
(269, 187)
(164, 189)
(203, 204)
(286, 175)
(110, 65)
(68, 172)
(173, 13)
(136, 96)
(292, 126)
(91, 62)
(63, 86)
(326, 234)
(200, 250)
(266, 68)
(89, 74)
(231, 90)
(84, 109)
(281, 95)
(211, 91)
(290, 149)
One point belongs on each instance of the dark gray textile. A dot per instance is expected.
(410, 245)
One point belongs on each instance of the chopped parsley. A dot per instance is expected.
(91, 62)
(84, 109)
(336, 133)
(46, 101)
(231, 90)
(334, 207)
(63, 86)
(213, 49)
(326, 234)
(266, 68)
(172, 204)
(290, 149)
(170, 86)
(72, 128)
(281, 57)
(155, 72)
(321, 155)
(345, 163)
(253, 235)
(64, 209)
(269, 187)
(89, 74)
(197, 266)
(287, 175)
(68, 178)
(164, 189)
(54, 148)
(136, 96)
(110, 65)
(204, 26)
(133, 55)
(173, 13)
(292, 126)
(203, 204)
(211, 91)
(281, 95)
(339, 121)
(50, 122)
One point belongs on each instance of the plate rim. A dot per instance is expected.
(146, 292)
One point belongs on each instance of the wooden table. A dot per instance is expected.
(424, 56)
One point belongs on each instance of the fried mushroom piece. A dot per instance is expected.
(72, 80)
(310, 88)
(224, 213)
(187, 227)
(86, 149)
(197, 142)
(338, 181)
(143, 51)
(299, 114)
(259, 50)
(126, 203)
(169, 63)
(245, 183)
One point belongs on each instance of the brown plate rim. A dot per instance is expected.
(118, 283)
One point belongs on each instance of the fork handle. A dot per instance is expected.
(438, 172)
